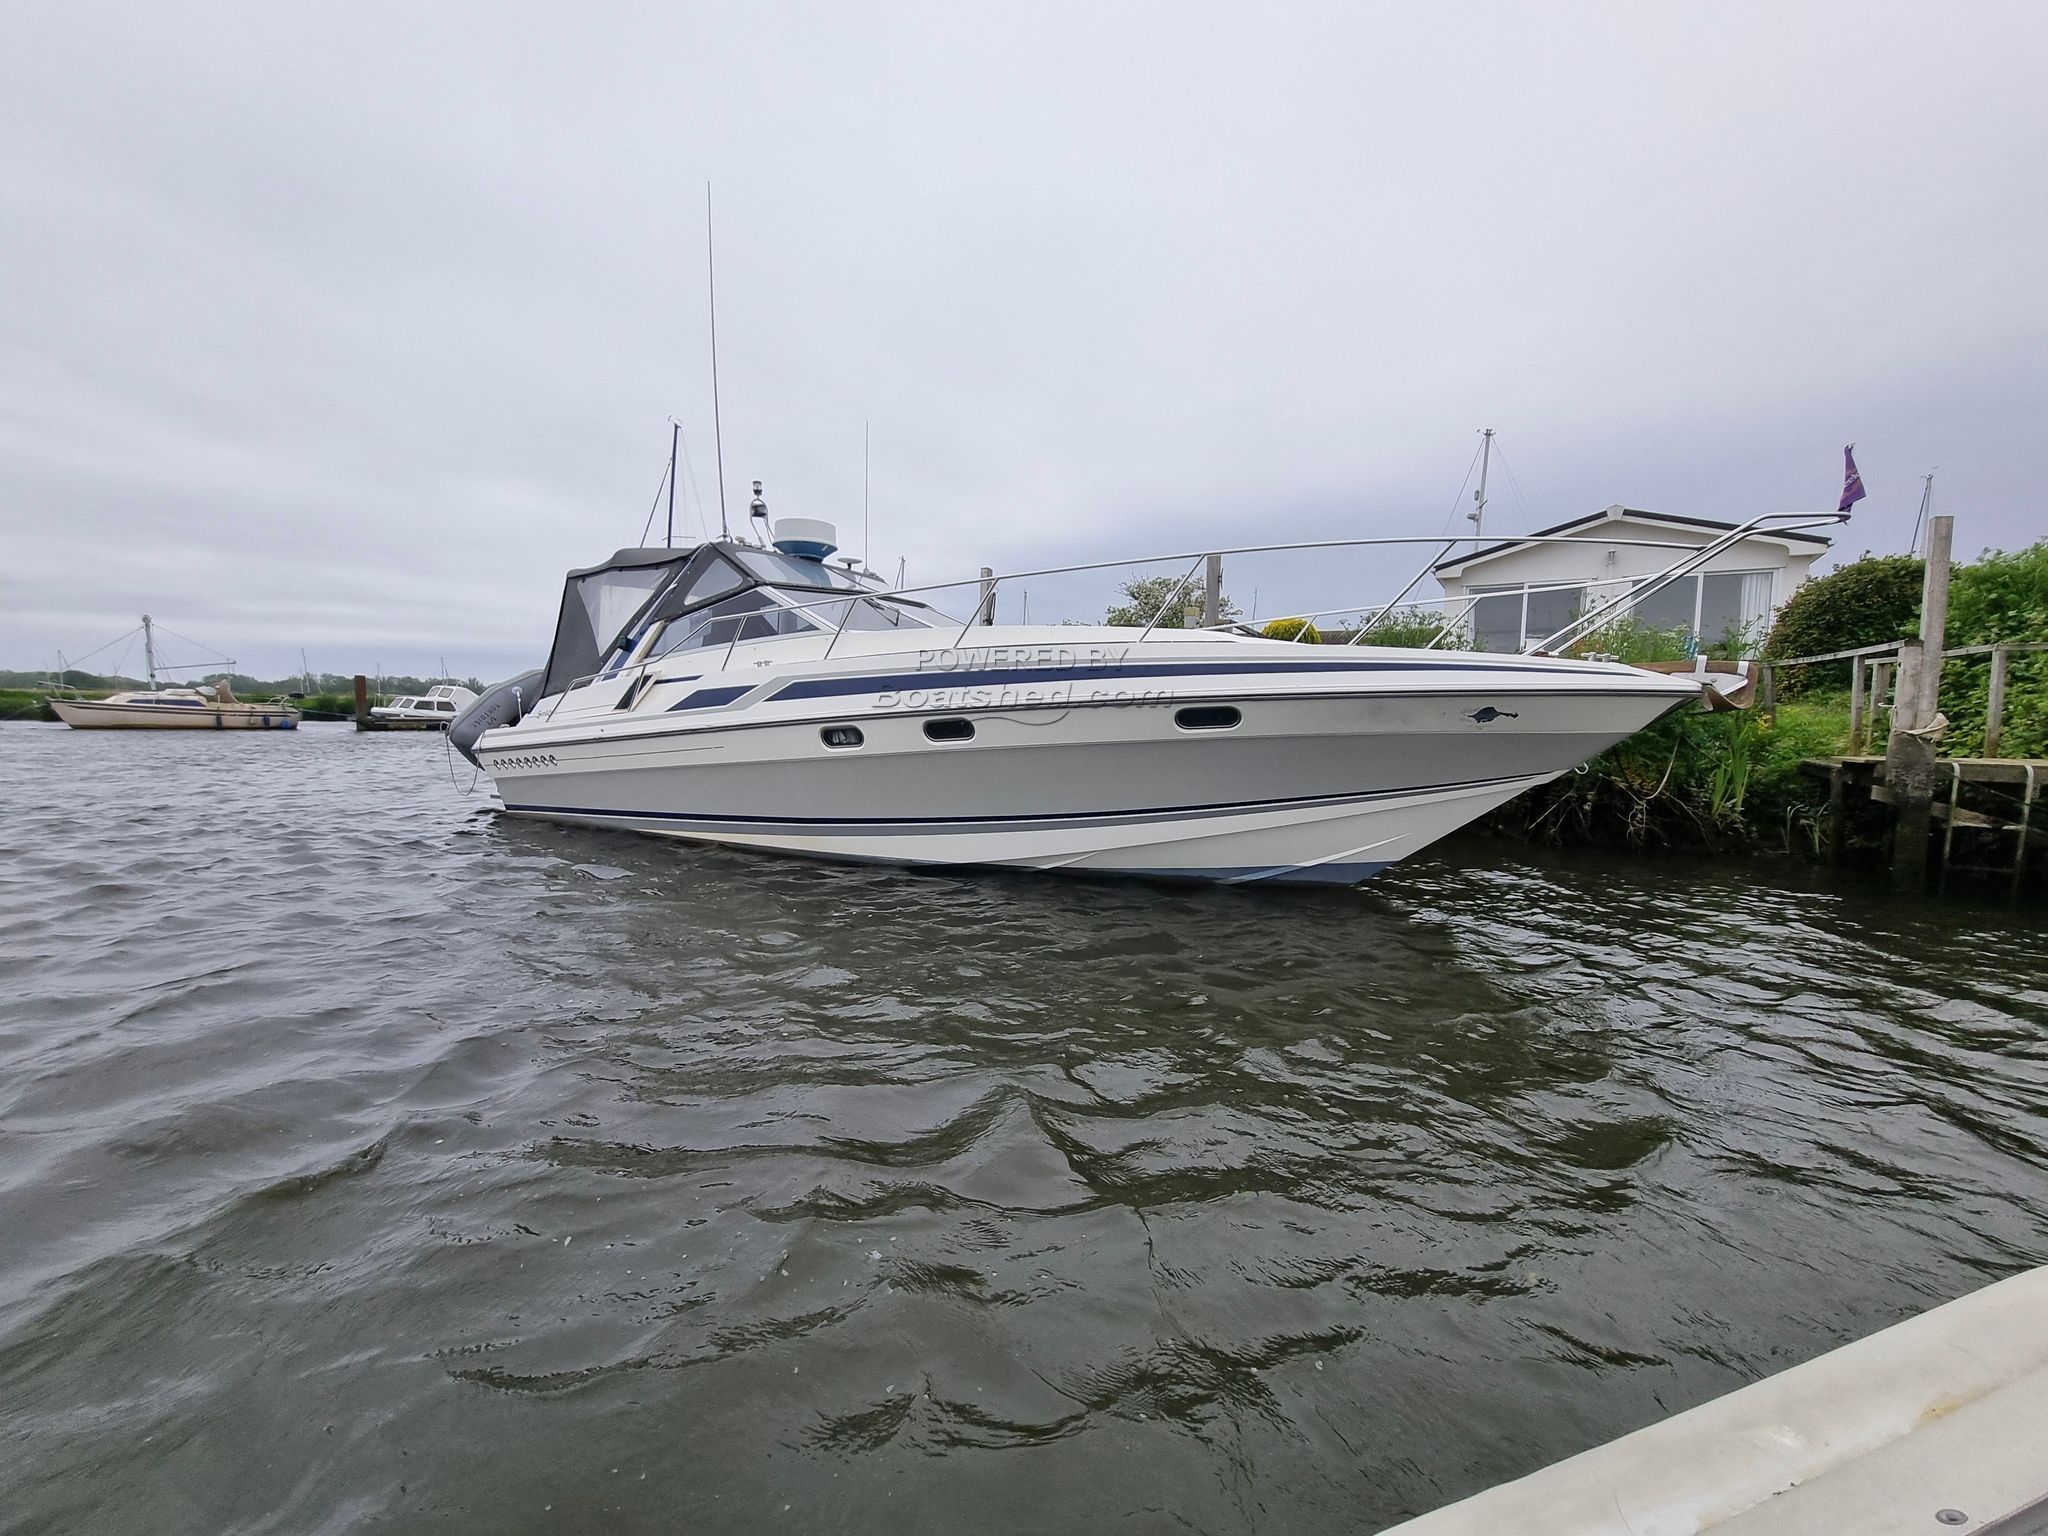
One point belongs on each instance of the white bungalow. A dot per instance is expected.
(1526, 590)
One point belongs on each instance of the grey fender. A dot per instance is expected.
(502, 704)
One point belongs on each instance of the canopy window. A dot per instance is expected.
(597, 606)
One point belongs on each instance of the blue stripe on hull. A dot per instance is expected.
(900, 682)
(1286, 874)
(1032, 818)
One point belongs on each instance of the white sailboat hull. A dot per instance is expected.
(102, 715)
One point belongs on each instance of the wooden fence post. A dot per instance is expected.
(1855, 706)
(1994, 712)
(1769, 684)
(1934, 617)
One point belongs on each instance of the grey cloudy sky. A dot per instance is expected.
(351, 327)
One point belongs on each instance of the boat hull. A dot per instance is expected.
(1307, 789)
(96, 715)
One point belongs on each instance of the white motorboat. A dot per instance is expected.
(438, 706)
(762, 698)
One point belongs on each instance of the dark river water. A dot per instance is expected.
(370, 1163)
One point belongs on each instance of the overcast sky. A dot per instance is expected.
(351, 327)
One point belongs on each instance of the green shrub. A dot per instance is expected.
(1162, 602)
(1413, 628)
(1291, 629)
(1866, 602)
(1998, 597)
(1630, 639)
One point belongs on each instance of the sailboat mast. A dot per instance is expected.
(675, 432)
(149, 649)
(1478, 512)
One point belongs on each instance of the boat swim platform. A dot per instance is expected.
(1938, 1423)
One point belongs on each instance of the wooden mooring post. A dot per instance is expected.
(1994, 710)
(1909, 778)
(362, 702)
(1909, 755)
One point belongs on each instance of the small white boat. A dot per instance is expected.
(174, 709)
(439, 706)
(761, 698)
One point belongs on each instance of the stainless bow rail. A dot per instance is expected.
(1691, 558)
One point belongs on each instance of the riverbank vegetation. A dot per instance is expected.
(1735, 779)
(26, 695)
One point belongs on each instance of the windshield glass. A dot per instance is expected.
(867, 613)
(787, 570)
(749, 615)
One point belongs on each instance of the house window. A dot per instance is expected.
(1716, 608)
(1497, 622)
(1509, 618)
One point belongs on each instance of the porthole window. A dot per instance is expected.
(1207, 717)
(841, 736)
(949, 730)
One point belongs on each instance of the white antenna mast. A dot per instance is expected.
(866, 544)
(1478, 512)
(717, 428)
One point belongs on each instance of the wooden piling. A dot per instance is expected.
(1934, 617)
(362, 700)
(1212, 592)
(987, 615)
(1994, 711)
(1838, 795)
(1909, 776)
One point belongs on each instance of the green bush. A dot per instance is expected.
(1162, 602)
(1866, 602)
(1998, 597)
(1413, 628)
(1291, 629)
(1629, 639)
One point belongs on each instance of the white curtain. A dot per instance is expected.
(1756, 601)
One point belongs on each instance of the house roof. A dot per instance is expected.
(1451, 565)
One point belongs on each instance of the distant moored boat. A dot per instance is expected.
(172, 709)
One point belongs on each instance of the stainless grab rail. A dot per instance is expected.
(1694, 555)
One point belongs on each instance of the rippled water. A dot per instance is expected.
(367, 1162)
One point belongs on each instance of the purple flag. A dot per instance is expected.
(1852, 482)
